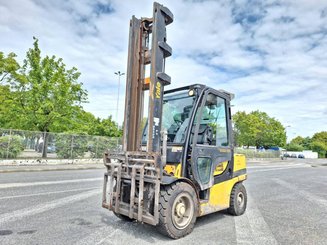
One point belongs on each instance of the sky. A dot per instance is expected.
(271, 54)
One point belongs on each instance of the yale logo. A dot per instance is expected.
(158, 88)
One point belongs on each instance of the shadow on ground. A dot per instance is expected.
(148, 233)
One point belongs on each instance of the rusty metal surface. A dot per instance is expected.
(141, 54)
(143, 171)
(134, 86)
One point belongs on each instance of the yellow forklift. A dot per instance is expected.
(181, 164)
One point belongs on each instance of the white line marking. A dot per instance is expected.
(251, 228)
(274, 169)
(104, 234)
(11, 185)
(29, 211)
(278, 166)
(48, 193)
(307, 195)
(243, 230)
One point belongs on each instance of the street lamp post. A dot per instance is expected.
(288, 126)
(119, 74)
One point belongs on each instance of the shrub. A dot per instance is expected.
(71, 146)
(102, 144)
(11, 146)
(319, 147)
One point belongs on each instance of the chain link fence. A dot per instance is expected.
(255, 153)
(22, 144)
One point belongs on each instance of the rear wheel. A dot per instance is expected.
(238, 200)
(178, 207)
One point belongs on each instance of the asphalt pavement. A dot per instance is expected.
(287, 205)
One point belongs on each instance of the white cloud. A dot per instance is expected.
(271, 54)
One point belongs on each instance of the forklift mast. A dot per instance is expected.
(141, 54)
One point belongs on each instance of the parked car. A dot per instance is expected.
(293, 155)
(301, 156)
(286, 155)
(51, 148)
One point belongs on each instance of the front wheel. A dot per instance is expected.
(238, 200)
(178, 207)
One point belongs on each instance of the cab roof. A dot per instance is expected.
(201, 87)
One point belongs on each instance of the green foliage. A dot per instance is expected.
(320, 137)
(297, 140)
(8, 72)
(43, 91)
(106, 127)
(294, 147)
(86, 122)
(305, 143)
(8, 67)
(70, 146)
(258, 129)
(319, 147)
(101, 145)
(44, 95)
(10, 146)
(319, 143)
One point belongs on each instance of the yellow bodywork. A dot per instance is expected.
(219, 196)
(173, 169)
(239, 162)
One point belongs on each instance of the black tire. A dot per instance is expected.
(238, 200)
(178, 210)
(123, 217)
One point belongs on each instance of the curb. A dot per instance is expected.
(318, 165)
(49, 169)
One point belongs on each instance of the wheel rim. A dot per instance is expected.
(183, 211)
(240, 199)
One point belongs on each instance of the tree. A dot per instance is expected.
(319, 147)
(46, 93)
(8, 72)
(297, 140)
(321, 137)
(257, 128)
(294, 147)
(8, 67)
(319, 143)
(107, 127)
(305, 143)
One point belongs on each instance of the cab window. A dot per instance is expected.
(213, 122)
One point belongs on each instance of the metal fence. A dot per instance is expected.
(22, 144)
(254, 153)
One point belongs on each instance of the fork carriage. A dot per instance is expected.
(129, 177)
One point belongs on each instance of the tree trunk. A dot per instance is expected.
(45, 144)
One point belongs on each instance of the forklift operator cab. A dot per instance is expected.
(202, 114)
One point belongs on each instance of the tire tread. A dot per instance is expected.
(163, 226)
